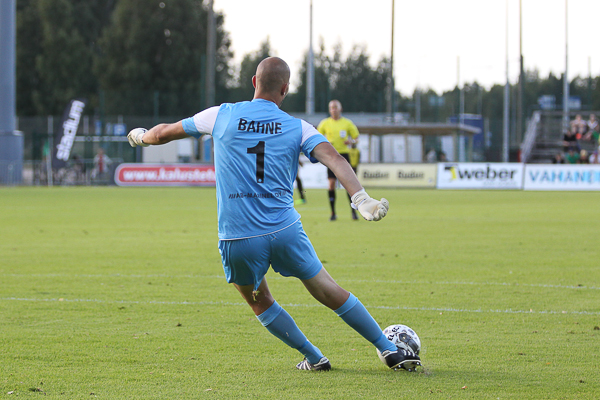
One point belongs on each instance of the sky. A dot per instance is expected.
(437, 43)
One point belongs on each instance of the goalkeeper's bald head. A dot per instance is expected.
(272, 79)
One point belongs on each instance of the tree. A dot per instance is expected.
(55, 50)
(358, 86)
(243, 89)
(354, 82)
(29, 38)
(152, 47)
(296, 102)
(595, 87)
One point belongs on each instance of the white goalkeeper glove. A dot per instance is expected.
(369, 208)
(135, 137)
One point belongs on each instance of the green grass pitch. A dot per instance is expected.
(118, 293)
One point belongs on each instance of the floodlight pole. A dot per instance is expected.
(566, 117)
(521, 78)
(505, 131)
(418, 105)
(392, 83)
(11, 141)
(461, 95)
(461, 108)
(589, 94)
(211, 51)
(310, 70)
(49, 170)
(7, 66)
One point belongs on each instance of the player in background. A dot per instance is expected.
(354, 155)
(302, 199)
(342, 134)
(256, 160)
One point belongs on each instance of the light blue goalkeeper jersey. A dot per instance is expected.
(256, 149)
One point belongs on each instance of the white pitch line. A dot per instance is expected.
(227, 303)
(539, 285)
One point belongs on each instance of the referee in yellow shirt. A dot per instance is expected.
(342, 134)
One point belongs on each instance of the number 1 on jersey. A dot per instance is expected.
(259, 150)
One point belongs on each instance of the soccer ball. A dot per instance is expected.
(403, 337)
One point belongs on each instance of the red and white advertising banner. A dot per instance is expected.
(165, 175)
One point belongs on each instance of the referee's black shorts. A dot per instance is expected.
(330, 173)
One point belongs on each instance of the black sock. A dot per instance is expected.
(299, 184)
(350, 198)
(332, 201)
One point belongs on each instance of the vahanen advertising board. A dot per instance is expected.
(562, 177)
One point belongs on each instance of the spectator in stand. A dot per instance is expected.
(579, 126)
(570, 140)
(431, 156)
(101, 165)
(583, 157)
(79, 168)
(593, 129)
(595, 156)
(558, 159)
(572, 156)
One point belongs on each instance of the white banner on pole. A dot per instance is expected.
(313, 176)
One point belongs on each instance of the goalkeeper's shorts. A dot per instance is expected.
(289, 252)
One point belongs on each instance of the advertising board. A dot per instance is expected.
(313, 176)
(165, 175)
(397, 175)
(448, 175)
(562, 177)
(480, 176)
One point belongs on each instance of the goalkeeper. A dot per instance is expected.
(256, 161)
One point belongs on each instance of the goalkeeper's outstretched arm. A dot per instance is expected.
(370, 209)
(160, 134)
(328, 156)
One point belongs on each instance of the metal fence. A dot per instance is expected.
(93, 133)
(10, 173)
(77, 172)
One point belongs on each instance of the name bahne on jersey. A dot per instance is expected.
(272, 128)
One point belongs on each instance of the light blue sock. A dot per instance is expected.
(356, 315)
(282, 325)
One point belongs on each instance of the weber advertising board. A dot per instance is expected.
(397, 175)
(165, 175)
(480, 176)
(562, 177)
